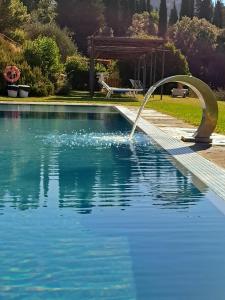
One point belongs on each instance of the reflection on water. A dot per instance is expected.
(90, 164)
(84, 214)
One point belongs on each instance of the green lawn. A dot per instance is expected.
(187, 109)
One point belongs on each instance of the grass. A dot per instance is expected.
(187, 109)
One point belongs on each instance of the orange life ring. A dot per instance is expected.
(11, 74)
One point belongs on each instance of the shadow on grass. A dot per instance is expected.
(85, 96)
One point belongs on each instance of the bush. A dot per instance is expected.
(220, 94)
(19, 36)
(77, 69)
(43, 53)
(61, 36)
(40, 84)
(8, 55)
(63, 88)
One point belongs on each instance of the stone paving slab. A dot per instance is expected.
(178, 128)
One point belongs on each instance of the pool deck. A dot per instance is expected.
(177, 128)
(205, 164)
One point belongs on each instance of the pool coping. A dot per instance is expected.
(204, 170)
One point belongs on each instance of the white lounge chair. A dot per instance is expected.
(111, 90)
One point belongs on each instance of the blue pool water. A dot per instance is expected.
(86, 215)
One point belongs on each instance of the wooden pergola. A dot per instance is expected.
(126, 48)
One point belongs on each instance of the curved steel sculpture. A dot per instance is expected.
(207, 100)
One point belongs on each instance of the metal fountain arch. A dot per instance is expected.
(208, 103)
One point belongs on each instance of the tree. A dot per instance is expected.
(197, 39)
(142, 5)
(173, 15)
(13, 15)
(84, 18)
(204, 9)
(45, 12)
(149, 6)
(218, 16)
(162, 18)
(30, 4)
(143, 25)
(44, 53)
(187, 8)
(61, 36)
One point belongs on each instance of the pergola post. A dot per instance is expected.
(92, 68)
(144, 72)
(151, 69)
(163, 73)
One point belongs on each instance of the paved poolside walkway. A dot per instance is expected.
(177, 128)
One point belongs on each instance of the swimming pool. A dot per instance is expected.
(85, 214)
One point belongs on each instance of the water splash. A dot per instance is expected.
(94, 139)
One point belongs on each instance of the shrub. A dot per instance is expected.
(40, 84)
(76, 67)
(63, 87)
(44, 53)
(8, 55)
(61, 36)
(19, 36)
(220, 94)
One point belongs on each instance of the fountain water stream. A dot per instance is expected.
(208, 103)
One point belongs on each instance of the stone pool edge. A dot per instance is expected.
(206, 171)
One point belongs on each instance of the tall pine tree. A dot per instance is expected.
(173, 15)
(204, 9)
(84, 18)
(162, 19)
(143, 5)
(218, 16)
(187, 9)
(149, 6)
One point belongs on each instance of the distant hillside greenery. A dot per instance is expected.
(47, 39)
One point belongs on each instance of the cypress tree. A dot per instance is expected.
(132, 7)
(191, 8)
(162, 18)
(142, 5)
(204, 9)
(173, 15)
(187, 8)
(218, 18)
(149, 6)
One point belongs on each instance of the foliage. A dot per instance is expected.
(220, 94)
(197, 40)
(221, 41)
(8, 55)
(189, 33)
(204, 9)
(77, 71)
(18, 35)
(162, 18)
(143, 25)
(82, 17)
(219, 16)
(61, 36)
(13, 15)
(173, 15)
(176, 62)
(45, 12)
(44, 53)
(39, 83)
(187, 8)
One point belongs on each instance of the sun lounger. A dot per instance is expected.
(113, 90)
